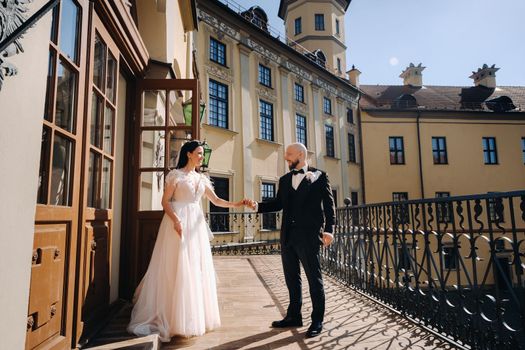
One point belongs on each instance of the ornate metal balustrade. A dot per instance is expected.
(452, 264)
(245, 233)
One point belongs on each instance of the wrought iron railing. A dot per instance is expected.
(245, 233)
(455, 265)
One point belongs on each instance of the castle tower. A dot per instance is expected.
(319, 27)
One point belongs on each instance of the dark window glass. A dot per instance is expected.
(450, 258)
(220, 220)
(218, 114)
(93, 179)
(337, 27)
(298, 26)
(523, 149)
(327, 105)
(397, 152)
(439, 150)
(351, 148)
(269, 220)
(339, 65)
(99, 63)
(443, 210)
(217, 52)
(43, 173)
(266, 113)
(350, 115)
(265, 76)
(400, 210)
(301, 130)
(334, 194)
(355, 198)
(66, 98)
(329, 134)
(299, 92)
(319, 21)
(490, 154)
(404, 258)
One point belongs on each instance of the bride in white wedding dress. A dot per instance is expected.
(178, 294)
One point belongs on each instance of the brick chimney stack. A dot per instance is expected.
(353, 76)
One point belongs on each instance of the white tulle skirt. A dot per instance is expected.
(178, 294)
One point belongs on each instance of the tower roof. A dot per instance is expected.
(285, 3)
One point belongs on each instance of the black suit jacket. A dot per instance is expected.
(316, 201)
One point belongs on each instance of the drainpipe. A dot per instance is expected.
(420, 158)
(361, 159)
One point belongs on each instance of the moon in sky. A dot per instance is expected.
(393, 61)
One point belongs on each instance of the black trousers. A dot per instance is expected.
(307, 253)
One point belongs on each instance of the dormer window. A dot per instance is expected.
(257, 16)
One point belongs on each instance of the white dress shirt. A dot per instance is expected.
(296, 179)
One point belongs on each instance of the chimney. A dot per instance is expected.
(353, 76)
(485, 76)
(412, 75)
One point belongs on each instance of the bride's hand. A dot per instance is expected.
(178, 228)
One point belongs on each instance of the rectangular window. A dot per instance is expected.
(299, 93)
(265, 76)
(218, 114)
(355, 198)
(443, 210)
(496, 212)
(220, 217)
(298, 26)
(269, 220)
(490, 154)
(400, 210)
(217, 52)
(329, 132)
(350, 115)
(337, 27)
(403, 255)
(319, 21)
(397, 152)
(351, 148)
(300, 127)
(339, 65)
(334, 194)
(327, 105)
(266, 113)
(439, 150)
(450, 258)
(523, 149)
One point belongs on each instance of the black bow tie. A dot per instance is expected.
(295, 172)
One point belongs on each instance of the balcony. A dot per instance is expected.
(426, 274)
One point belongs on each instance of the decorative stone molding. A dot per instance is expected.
(298, 71)
(220, 26)
(300, 107)
(12, 16)
(263, 51)
(267, 94)
(222, 74)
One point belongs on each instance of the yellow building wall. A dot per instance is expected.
(239, 153)
(465, 172)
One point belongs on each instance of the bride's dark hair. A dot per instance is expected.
(189, 146)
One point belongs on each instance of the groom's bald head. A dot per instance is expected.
(295, 155)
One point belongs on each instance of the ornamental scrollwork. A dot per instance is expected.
(12, 16)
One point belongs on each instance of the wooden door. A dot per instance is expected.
(50, 319)
(160, 130)
(98, 180)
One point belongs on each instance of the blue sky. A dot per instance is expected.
(449, 37)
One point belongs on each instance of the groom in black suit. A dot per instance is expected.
(306, 199)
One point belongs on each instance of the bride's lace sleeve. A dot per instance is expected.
(173, 177)
(207, 182)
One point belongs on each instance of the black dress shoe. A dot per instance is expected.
(287, 322)
(314, 330)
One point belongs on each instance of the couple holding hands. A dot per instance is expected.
(178, 294)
